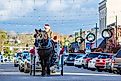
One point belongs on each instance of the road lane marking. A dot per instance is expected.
(88, 74)
(73, 74)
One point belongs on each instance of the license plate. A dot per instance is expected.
(69, 61)
(101, 61)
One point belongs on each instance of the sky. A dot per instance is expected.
(64, 16)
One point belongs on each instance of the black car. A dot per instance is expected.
(70, 59)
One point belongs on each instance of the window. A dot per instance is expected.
(77, 57)
(118, 34)
(118, 54)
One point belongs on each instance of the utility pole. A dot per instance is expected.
(80, 44)
(96, 30)
(34, 1)
(80, 32)
(75, 36)
(116, 31)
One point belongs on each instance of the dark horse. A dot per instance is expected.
(45, 50)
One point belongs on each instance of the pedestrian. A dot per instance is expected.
(32, 51)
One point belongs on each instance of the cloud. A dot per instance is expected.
(72, 15)
(12, 8)
(57, 5)
(60, 5)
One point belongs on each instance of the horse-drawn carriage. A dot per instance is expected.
(46, 54)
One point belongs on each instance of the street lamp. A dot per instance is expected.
(116, 31)
(96, 31)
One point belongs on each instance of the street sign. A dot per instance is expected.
(88, 46)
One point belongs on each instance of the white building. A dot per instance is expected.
(102, 15)
(108, 10)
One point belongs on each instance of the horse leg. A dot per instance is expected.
(45, 63)
(48, 65)
(43, 67)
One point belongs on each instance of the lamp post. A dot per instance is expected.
(76, 35)
(96, 30)
(116, 31)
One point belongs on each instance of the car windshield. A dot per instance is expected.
(103, 56)
(25, 52)
(18, 54)
(65, 55)
(71, 56)
(79, 56)
(93, 55)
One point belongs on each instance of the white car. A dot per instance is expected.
(25, 64)
(1, 58)
(65, 57)
(91, 64)
(78, 61)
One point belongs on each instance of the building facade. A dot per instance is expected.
(102, 15)
(110, 17)
(108, 10)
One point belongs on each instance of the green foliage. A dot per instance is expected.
(3, 38)
(7, 52)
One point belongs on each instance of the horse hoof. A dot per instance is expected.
(48, 74)
(42, 75)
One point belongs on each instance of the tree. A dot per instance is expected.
(3, 38)
(7, 52)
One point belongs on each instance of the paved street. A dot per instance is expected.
(10, 73)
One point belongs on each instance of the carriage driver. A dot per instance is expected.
(56, 50)
(48, 30)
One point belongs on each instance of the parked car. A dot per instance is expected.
(24, 64)
(78, 60)
(102, 60)
(5, 59)
(17, 57)
(91, 64)
(65, 57)
(109, 64)
(117, 62)
(88, 57)
(71, 58)
(1, 57)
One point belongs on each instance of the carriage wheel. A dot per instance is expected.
(27, 68)
(21, 69)
(15, 65)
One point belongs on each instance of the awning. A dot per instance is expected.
(100, 43)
